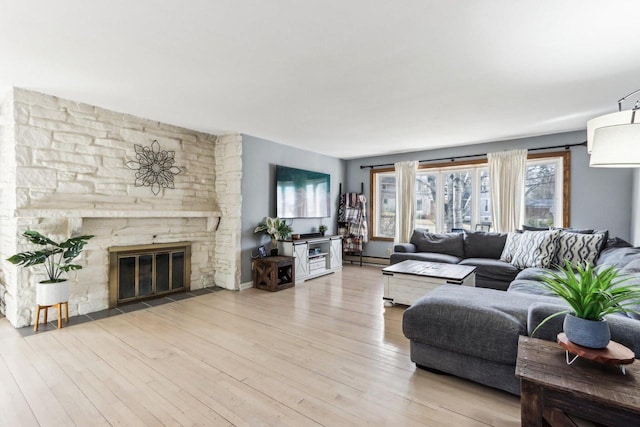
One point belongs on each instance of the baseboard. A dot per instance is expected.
(365, 260)
(246, 285)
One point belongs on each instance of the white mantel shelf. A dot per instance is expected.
(77, 215)
(107, 213)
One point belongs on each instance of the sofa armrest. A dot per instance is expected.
(624, 330)
(405, 248)
(538, 311)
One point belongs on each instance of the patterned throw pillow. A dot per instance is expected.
(577, 248)
(536, 249)
(511, 246)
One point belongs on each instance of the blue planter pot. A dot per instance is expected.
(587, 333)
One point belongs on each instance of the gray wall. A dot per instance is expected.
(600, 198)
(635, 210)
(259, 159)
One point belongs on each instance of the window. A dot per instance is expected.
(459, 197)
(543, 193)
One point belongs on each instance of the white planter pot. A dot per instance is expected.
(52, 293)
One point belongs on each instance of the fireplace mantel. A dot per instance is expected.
(77, 215)
(112, 213)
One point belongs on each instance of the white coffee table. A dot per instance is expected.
(409, 280)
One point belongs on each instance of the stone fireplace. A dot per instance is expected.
(64, 174)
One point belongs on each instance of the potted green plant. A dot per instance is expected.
(591, 293)
(322, 229)
(276, 228)
(56, 258)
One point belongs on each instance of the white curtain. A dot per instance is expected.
(507, 172)
(405, 200)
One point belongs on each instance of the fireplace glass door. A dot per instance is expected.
(148, 273)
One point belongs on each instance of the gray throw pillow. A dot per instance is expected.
(484, 244)
(446, 243)
(577, 248)
(536, 249)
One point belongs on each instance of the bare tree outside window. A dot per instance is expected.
(540, 195)
(457, 201)
(426, 207)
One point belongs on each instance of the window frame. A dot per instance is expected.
(566, 184)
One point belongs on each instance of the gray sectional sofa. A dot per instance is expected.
(473, 332)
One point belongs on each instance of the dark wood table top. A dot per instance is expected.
(437, 270)
(544, 363)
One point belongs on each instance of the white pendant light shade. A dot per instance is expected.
(616, 146)
(619, 118)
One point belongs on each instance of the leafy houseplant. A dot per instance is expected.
(322, 229)
(591, 293)
(56, 258)
(276, 228)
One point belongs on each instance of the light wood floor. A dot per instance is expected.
(323, 353)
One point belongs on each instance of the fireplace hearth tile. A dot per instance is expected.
(133, 307)
(158, 301)
(103, 314)
(203, 291)
(180, 296)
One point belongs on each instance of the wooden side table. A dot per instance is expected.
(551, 389)
(274, 273)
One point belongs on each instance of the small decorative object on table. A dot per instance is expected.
(56, 258)
(276, 228)
(262, 252)
(591, 293)
(322, 229)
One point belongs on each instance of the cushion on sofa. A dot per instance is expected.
(492, 273)
(528, 286)
(446, 243)
(397, 257)
(532, 273)
(483, 323)
(532, 228)
(577, 248)
(536, 249)
(482, 244)
(404, 248)
(632, 273)
(511, 246)
(618, 257)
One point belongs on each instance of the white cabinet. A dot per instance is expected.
(315, 256)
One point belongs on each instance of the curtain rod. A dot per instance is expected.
(453, 158)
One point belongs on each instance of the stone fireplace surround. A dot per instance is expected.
(65, 175)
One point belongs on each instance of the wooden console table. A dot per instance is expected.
(274, 273)
(551, 389)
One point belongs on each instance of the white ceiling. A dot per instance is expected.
(342, 77)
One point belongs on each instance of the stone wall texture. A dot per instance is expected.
(68, 176)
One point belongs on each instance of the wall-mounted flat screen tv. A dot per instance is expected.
(302, 194)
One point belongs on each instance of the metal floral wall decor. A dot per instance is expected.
(154, 167)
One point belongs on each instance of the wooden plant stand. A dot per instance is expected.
(274, 273)
(613, 354)
(46, 312)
